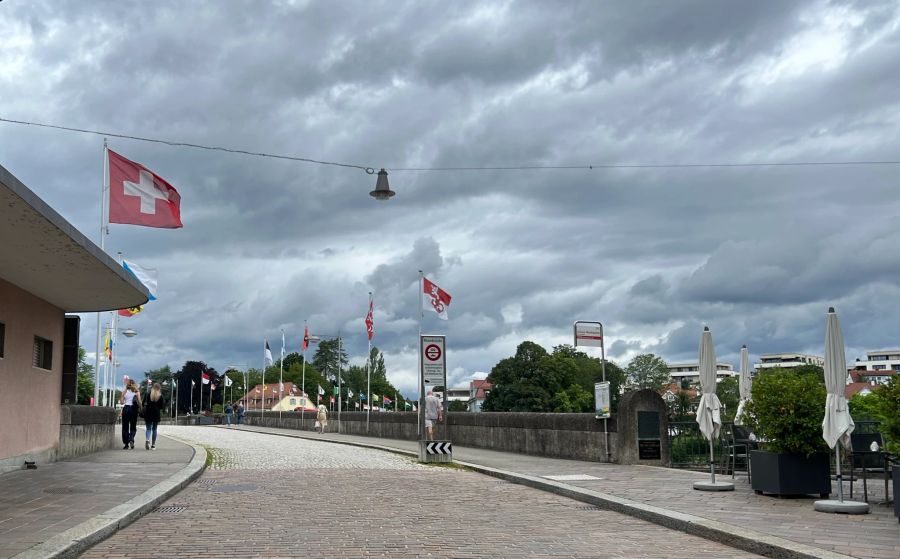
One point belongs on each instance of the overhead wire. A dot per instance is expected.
(370, 170)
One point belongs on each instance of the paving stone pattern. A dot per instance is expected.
(337, 501)
(872, 536)
(35, 505)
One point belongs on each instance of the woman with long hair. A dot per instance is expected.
(131, 402)
(152, 415)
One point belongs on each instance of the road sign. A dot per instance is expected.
(588, 334)
(439, 447)
(434, 360)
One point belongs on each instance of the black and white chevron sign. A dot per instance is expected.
(439, 448)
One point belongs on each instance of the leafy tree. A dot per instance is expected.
(682, 407)
(887, 398)
(647, 371)
(590, 372)
(786, 411)
(729, 395)
(863, 407)
(573, 399)
(85, 380)
(192, 371)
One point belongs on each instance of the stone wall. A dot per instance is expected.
(86, 429)
(577, 436)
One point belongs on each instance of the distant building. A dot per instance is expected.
(872, 378)
(478, 391)
(691, 372)
(458, 394)
(787, 361)
(267, 397)
(881, 360)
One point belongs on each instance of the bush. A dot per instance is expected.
(887, 399)
(786, 412)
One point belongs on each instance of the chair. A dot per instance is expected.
(866, 460)
(739, 446)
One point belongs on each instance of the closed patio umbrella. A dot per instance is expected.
(743, 385)
(708, 412)
(837, 425)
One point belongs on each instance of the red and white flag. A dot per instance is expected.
(138, 196)
(305, 337)
(205, 378)
(370, 320)
(437, 299)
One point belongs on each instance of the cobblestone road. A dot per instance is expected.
(269, 496)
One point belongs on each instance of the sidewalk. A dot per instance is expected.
(766, 525)
(64, 507)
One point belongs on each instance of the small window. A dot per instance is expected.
(2, 338)
(43, 353)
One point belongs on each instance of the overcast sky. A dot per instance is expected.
(758, 254)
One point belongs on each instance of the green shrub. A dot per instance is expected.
(887, 399)
(786, 412)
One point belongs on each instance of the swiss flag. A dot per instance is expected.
(438, 298)
(138, 196)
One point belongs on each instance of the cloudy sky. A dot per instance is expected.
(756, 253)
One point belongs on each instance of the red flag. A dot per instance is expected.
(370, 321)
(138, 196)
(205, 378)
(438, 298)
(305, 337)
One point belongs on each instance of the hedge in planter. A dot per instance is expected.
(786, 415)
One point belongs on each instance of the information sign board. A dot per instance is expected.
(588, 334)
(601, 400)
(434, 360)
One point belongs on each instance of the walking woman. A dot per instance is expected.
(152, 415)
(322, 418)
(131, 401)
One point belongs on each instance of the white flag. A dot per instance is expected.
(268, 354)
(228, 382)
(282, 345)
(349, 393)
(146, 276)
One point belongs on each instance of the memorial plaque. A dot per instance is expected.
(649, 450)
(648, 425)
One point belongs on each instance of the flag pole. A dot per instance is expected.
(421, 417)
(369, 368)
(103, 230)
(263, 401)
(281, 378)
(303, 375)
(340, 388)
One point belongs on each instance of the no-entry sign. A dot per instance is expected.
(434, 360)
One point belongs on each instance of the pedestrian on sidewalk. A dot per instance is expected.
(434, 412)
(322, 418)
(131, 402)
(152, 415)
(228, 412)
(240, 413)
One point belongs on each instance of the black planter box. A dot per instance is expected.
(790, 474)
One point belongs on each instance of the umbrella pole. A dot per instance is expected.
(712, 463)
(837, 461)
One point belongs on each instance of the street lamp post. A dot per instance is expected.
(111, 369)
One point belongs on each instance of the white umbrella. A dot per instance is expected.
(708, 412)
(743, 385)
(837, 425)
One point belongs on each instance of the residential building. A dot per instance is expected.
(881, 360)
(267, 396)
(787, 361)
(859, 375)
(47, 268)
(679, 372)
(458, 394)
(478, 391)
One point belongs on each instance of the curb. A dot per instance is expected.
(733, 536)
(90, 532)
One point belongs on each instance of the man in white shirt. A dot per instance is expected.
(433, 412)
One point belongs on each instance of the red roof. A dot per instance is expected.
(255, 394)
(855, 388)
(480, 386)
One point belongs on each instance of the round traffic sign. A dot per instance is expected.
(432, 352)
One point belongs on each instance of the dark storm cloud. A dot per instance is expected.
(757, 254)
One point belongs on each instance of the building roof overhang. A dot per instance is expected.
(45, 255)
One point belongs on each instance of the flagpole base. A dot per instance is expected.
(713, 486)
(842, 507)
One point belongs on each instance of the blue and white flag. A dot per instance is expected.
(146, 276)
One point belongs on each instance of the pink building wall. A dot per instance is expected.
(29, 396)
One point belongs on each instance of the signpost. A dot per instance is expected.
(588, 333)
(433, 356)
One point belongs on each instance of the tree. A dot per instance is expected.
(682, 407)
(887, 398)
(458, 405)
(590, 372)
(647, 371)
(85, 381)
(326, 358)
(729, 395)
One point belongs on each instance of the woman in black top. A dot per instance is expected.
(152, 414)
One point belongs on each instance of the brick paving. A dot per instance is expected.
(35, 505)
(872, 536)
(328, 500)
